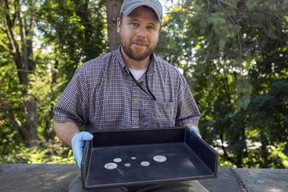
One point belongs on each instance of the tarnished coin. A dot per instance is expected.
(145, 163)
(127, 165)
(110, 166)
(117, 160)
(160, 158)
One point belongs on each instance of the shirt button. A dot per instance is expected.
(135, 122)
(136, 101)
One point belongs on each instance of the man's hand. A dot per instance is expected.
(78, 143)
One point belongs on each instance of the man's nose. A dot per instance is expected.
(141, 31)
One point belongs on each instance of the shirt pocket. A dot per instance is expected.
(166, 113)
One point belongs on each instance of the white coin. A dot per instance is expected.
(145, 163)
(117, 160)
(127, 165)
(110, 166)
(160, 158)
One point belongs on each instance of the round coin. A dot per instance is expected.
(117, 160)
(160, 158)
(127, 165)
(110, 166)
(145, 163)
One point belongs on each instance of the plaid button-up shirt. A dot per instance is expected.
(102, 95)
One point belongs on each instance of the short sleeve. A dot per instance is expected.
(187, 109)
(72, 105)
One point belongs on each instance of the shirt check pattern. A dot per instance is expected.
(102, 95)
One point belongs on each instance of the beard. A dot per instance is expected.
(137, 55)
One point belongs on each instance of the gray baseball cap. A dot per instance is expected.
(129, 5)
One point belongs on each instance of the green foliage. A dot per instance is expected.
(51, 153)
(76, 32)
(236, 62)
(67, 33)
(9, 102)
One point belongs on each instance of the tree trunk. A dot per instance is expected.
(113, 8)
(264, 150)
(31, 120)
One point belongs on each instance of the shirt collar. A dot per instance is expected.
(121, 61)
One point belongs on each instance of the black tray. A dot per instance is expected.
(125, 158)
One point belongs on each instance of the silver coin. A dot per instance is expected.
(133, 158)
(110, 166)
(117, 160)
(127, 165)
(145, 163)
(160, 158)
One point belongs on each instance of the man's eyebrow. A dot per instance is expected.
(132, 18)
(152, 23)
(135, 19)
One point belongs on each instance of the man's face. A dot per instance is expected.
(139, 33)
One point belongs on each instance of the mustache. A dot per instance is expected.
(140, 41)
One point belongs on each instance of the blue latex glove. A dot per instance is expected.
(78, 143)
(195, 130)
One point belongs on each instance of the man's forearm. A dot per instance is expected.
(66, 131)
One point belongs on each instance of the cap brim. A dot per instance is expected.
(136, 5)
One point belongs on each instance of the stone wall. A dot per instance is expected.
(56, 178)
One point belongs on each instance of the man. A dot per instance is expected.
(128, 88)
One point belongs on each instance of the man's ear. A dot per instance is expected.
(118, 24)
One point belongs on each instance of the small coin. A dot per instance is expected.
(145, 163)
(110, 166)
(117, 160)
(127, 165)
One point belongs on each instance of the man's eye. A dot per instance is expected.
(134, 24)
(151, 27)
